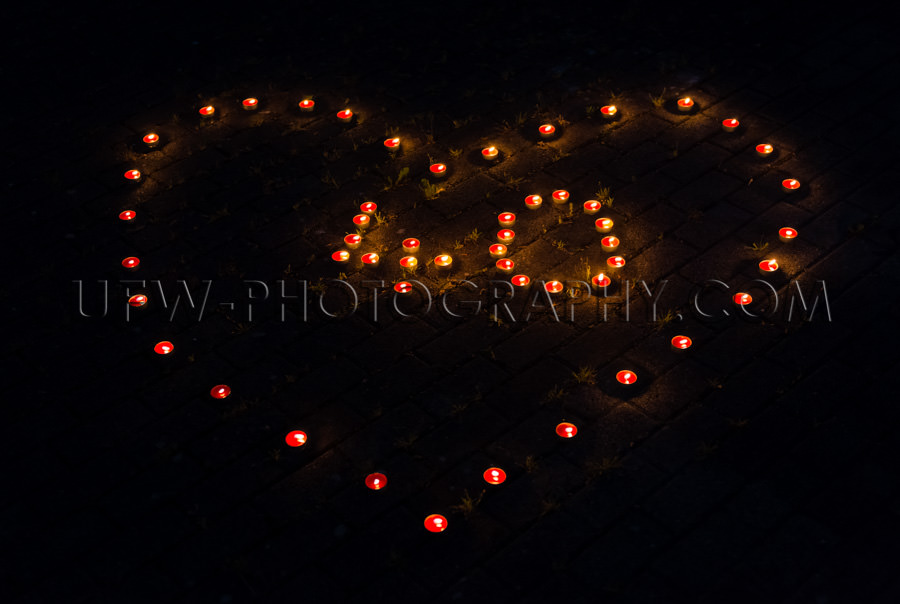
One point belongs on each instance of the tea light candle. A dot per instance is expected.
(730, 125)
(680, 343)
(371, 259)
(133, 175)
(600, 280)
(490, 153)
(438, 170)
(506, 219)
(592, 206)
(767, 267)
(131, 262)
(403, 287)
(533, 202)
(505, 265)
(560, 196)
(566, 430)
(306, 105)
(392, 144)
(164, 347)
(221, 391)
(626, 376)
(295, 438)
(207, 112)
(345, 115)
(376, 481)
(410, 245)
(443, 261)
(787, 234)
(547, 130)
(494, 476)
(498, 250)
(764, 150)
(521, 281)
(362, 221)
(435, 523)
(685, 104)
(341, 256)
(609, 243)
(742, 299)
(603, 225)
(789, 185)
(250, 104)
(614, 262)
(506, 235)
(127, 215)
(151, 140)
(609, 111)
(409, 262)
(352, 241)
(553, 287)
(137, 300)
(368, 207)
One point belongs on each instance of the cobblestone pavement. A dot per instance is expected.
(754, 466)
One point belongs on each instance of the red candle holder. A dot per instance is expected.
(370, 259)
(789, 185)
(742, 299)
(609, 243)
(685, 104)
(566, 430)
(376, 481)
(435, 523)
(409, 262)
(592, 206)
(443, 261)
(767, 267)
(787, 234)
(438, 170)
(352, 241)
(505, 265)
(345, 115)
(615, 262)
(392, 144)
(362, 221)
(533, 202)
(306, 105)
(603, 225)
(127, 215)
(681, 343)
(490, 153)
(554, 287)
(295, 438)
(207, 112)
(133, 175)
(164, 347)
(411, 245)
(546, 131)
(250, 104)
(151, 139)
(764, 150)
(137, 300)
(730, 125)
(220, 391)
(609, 111)
(560, 196)
(368, 207)
(506, 219)
(341, 256)
(600, 280)
(131, 262)
(498, 250)
(494, 476)
(626, 377)
(506, 235)
(403, 287)
(520, 281)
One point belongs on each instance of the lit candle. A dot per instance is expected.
(742, 299)
(490, 153)
(345, 115)
(626, 376)
(362, 221)
(127, 215)
(411, 245)
(764, 150)
(603, 225)
(352, 241)
(498, 250)
(767, 267)
(151, 139)
(680, 343)
(787, 234)
(438, 170)
(368, 207)
(506, 235)
(341, 256)
(614, 262)
(600, 280)
(403, 287)
(566, 430)
(443, 261)
(494, 476)
(376, 481)
(131, 263)
(371, 259)
(392, 144)
(409, 262)
(295, 438)
(790, 185)
(220, 391)
(164, 347)
(133, 175)
(137, 300)
(730, 125)
(533, 202)
(505, 265)
(520, 281)
(306, 105)
(609, 111)
(506, 219)
(592, 206)
(560, 196)
(207, 112)
(547, 130)
(685, 104)
(250, 104)
(553, 287)
(609, 243)
(435, 523)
